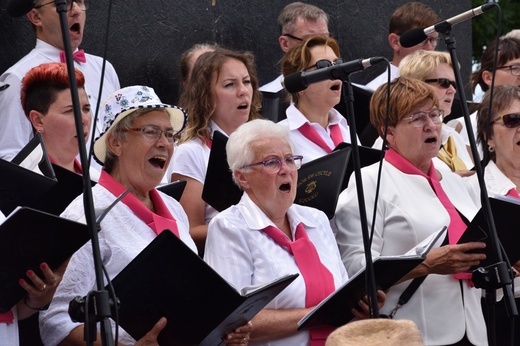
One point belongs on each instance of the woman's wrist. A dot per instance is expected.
(43, 308)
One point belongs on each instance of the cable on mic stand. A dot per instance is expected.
(371, 288)
(497, 275)
(102, 307)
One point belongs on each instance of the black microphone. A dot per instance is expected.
(301, 80)
(415, 36)
(17, 8)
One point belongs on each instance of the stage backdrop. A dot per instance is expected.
(147, 37)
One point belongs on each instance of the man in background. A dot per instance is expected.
(297, 21)
(16, 130)
(407, 17)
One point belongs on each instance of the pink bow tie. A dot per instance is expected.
(78, 55)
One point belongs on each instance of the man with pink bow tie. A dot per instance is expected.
(16, 130)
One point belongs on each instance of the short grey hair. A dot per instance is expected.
(290, 14)
(239, 148)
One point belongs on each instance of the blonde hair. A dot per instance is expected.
(376, 332)
(422, 63)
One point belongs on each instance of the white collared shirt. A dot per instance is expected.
(302, 145)
(383, 78)
(244, 255)
(16, 129)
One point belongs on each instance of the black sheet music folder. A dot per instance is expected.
(29, 237)
(168, 279)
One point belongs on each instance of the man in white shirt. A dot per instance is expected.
(297, 21)
(407, 17)
(16, 130)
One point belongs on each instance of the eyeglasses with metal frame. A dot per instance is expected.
(154, 133)
(419, 119)
(274, 164)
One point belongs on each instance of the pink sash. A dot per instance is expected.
(319, 282)
(159, 221)
(457, 226)
(310, 133)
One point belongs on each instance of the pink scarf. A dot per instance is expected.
(159, 221)
(319, 282)
(457, 226)
(310, 133)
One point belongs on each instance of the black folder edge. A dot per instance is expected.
(173, 189)
(505, 211)
(20, 186)
(44, 165)
(220, 191)
(202, 320)
(29, 237)
(320, 181)
(367, 157)
(335, 310)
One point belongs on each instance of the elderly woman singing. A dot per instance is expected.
(416, 200)
(266, 236)
(134, 149)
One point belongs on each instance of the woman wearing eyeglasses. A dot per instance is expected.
(222, 95)
(266, 236)
(416, 200)
(436, 69)
(316, 127)
(501, 174)
(134, 149)
(507, 73)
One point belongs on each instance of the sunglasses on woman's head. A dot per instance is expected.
(510, 121)
(443, 82)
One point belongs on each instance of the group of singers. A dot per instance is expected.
(426, 181)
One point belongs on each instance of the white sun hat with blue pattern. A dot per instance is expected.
(125, 101)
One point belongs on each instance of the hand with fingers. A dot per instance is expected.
(453, 259)
(240, 336)
(40, 291)
(362, 311)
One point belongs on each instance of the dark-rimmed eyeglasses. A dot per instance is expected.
(306, 37)
(444, 83)
(293, 37)
(513, 69)
(82, 4)
(510, 121)
(419, 119)
(275, 164)
(324, 63)
(153, 133)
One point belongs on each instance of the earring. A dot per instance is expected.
(491, 149)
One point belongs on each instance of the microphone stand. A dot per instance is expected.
(102, 301)
(348, 94)
(498, 273)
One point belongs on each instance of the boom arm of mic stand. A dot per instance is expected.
(445, 30)
(103, 305)
(371, 289)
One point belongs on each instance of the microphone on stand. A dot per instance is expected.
(415, 36)
(300, 80)
(17, 8)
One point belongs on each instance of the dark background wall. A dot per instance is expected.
(148, 36)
